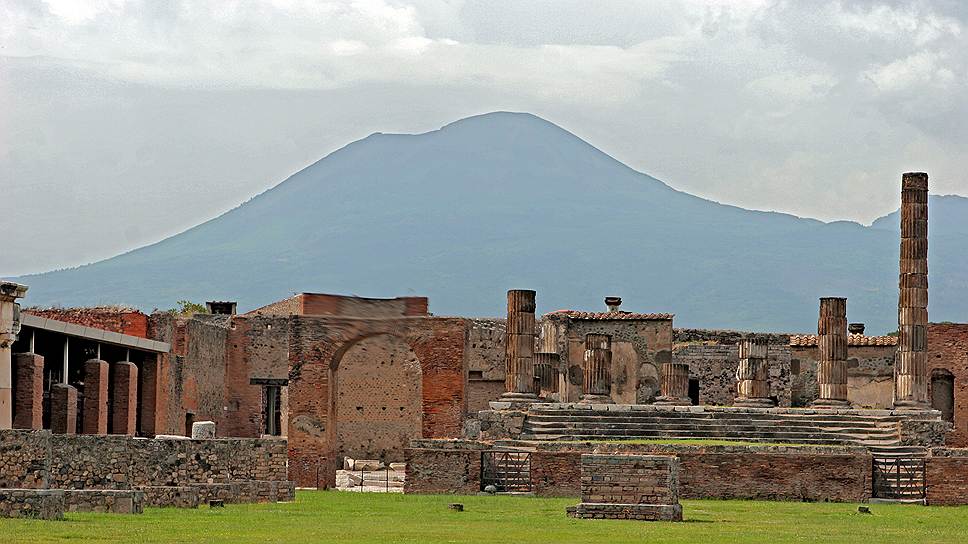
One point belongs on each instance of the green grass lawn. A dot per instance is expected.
(370, 517)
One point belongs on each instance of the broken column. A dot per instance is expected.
(519, 348)
(597, 369)
(674, 385)
(832, 359)
(29, 370)
(546, 361)
(752, 379)
(63, 409)
(124, 413)
(9, 328)
(911, 368)
(95, 418)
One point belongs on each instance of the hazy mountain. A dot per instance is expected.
(508, 200)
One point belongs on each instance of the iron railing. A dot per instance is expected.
(899, 478)
(507, 471)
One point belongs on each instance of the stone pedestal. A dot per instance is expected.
(752, 377)
(95, 420)
(640, 487)
(519, 348)
(911, 374)
(832, 359)
(124, 415)
(29, 413)
(63, 409)
(674, 385)
(203, 430)
(597, 370)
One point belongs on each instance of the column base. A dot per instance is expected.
(911, 405)
(753, 402)
(830, 403)
(518, 397)
(673, 401)
(596, 399)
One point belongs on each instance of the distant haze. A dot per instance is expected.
(509, 200)
(122, 123)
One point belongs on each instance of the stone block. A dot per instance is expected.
(29, 402)
(203, 430)
(32, 503)
(95, 419)
(124, 414)
(63, 409)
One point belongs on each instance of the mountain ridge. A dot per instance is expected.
(501, 200)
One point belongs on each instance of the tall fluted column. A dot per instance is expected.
(519, 348)
(674, 385)
(911, 367)
(597, 367)
(547, 361)
(752, 385)
(832, 363)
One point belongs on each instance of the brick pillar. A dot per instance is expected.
(752, 379)
(911, 374)
(519, 350)
(597, 369)
(832, 360)
(124, 416)
(63, 409)
(674, 385)
(152, 396)
(95, 420)
(29, 371)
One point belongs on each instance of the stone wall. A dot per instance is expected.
(948, 352)
(32, 503)
(24, 459)
(485, 362)
(715, 367)
(638, 348)
(256, 347)
(870, 376)
(813, 473)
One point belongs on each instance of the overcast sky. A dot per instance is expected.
(124, 122)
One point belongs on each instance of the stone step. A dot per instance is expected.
(813, 441)
(537, 426)
(778, 436)
(702, 412)
(607, 428)
(583, 415)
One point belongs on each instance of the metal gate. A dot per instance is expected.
(508, 471)
(899, 479)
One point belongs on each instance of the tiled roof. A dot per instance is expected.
(857, 340)
(604, 316)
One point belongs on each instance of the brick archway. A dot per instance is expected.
(316, 347)
(375, 398)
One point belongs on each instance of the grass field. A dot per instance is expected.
(364, 517)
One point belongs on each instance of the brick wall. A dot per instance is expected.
(446, 467)
(712, 472)
(946, 475)
(256, 347)
(123, 320)
(485, 362)
(629, 479)
(948, 351)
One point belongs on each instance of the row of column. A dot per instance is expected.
(29, 371)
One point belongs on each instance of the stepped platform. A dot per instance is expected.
(880, 430)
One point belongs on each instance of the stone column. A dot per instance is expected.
(547, 361)
(752, 378)
(29, 368)
(911, 375)
(832, 360)
(95, 420)
(674, 385)
(597, 369)
(124, 416)
(9, 293)
(63, 409)
(519, 348)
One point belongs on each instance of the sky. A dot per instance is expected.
(122, 123)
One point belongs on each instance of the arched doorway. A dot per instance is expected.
(943, 393)
(378, 399)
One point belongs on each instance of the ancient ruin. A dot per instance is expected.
(321, 390)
